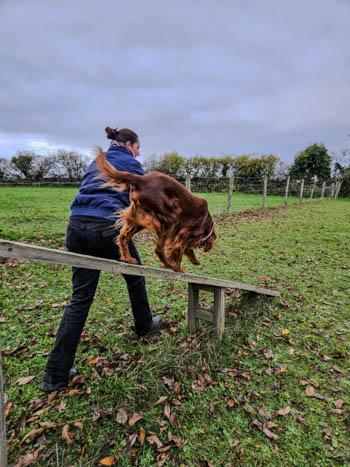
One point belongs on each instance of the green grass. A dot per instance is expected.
(48, 209)
(271, 352)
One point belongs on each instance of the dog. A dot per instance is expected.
(162, 205)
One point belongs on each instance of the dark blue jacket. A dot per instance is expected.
(92, 200)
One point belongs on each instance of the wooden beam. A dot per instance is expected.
(17, 250)
(3, 453)
(205, 315)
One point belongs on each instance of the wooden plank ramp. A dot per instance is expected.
(23, 251)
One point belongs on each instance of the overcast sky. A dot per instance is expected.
(196, 76)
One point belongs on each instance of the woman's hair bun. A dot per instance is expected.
(111, 133)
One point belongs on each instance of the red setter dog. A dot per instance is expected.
(161, 205)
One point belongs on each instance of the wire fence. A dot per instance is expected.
(233, 194)
(226, 195)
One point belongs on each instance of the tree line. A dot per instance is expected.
(25, 165)
(314, 163)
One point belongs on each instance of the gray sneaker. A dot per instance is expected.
(50, 384)
(156, 326)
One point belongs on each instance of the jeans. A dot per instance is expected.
(95, 237)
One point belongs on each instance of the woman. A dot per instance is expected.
(91, 231)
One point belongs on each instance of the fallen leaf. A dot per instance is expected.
(59, 305)
(132, 439)
(78, 379)
(134, 419)
(161, 400)
(291, 351)
(8, 407)
(2, 319)
(79, 425)
(285, 332)
(100, 412)
(28, 459)
(176, 402)
(270, 425)
(178, 442)
(67, 435)
(310, 390)
(153, 439)
(338, 411)
(33, 434)
(51, 397)
(300, 419)
(24, 380)
(338, 403)
(249, 409)
(269, 434)
(281, 369)
(62, 405)
(320, 396)
(110, 460)
(284, 411)
(264, 413)
(234, 443)
(231, 402)
(168, 381)
(122, 415)
(142, 435)
(93, 361)
(167, 411)
(268, 353)
(47, 425)
(22, 421)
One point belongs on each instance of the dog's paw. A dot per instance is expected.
(129, 260)
(178, 269)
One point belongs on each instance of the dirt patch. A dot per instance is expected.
(251, 215)
(223, 220)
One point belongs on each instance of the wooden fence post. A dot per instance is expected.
(264, 192)
(301, 190)
(188, 182)
(3, 451)
(335, 189)
(287, 189)
(312, 190)
(229, 195)
(338, 189)
(323, 189)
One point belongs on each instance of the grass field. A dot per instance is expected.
(48, 209)
(274, 392)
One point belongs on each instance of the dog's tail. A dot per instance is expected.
(121, 180)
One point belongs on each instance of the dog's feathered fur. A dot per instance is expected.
(160, 204)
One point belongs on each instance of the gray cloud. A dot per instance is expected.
(197, 77)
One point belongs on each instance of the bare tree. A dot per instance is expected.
(71, 164)
(341, 160)
(32, 166)
(7, 170)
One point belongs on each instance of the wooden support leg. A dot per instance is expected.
(216, 316)
(193, 300)
(219, 311)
